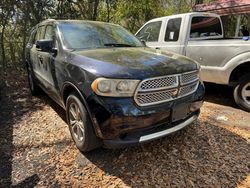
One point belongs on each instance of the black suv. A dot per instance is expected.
(116, 92)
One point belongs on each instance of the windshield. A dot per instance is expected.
(88, 35)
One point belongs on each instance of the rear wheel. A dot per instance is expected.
(242, 93)
(80, 125)
(34, 88)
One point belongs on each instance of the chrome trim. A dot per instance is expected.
(168, 131)
(175, 87)
(196, 87)
(160, 88)
(158, 102)
(182, 84)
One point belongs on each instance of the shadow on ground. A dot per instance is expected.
(15, 103)
(213, 157)
(220, 94)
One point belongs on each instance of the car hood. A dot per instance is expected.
(132, 63)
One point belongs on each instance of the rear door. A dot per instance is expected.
(30, 51)
(34, 55)
(203, 44)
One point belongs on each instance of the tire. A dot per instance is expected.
(80, 125)
(34, 88)
(242, 93)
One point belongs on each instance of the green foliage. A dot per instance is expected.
(17, 17)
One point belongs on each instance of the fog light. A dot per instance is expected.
(196, 106)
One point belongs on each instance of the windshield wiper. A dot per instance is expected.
(118, 45)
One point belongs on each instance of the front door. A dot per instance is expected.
(150, 33)
(47, 61)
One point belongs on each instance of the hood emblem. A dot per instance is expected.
(174, 93)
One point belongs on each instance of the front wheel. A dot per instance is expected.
(242, 93)
(80, 125)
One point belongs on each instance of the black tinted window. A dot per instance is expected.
(205, 27)
(150, 32)
(173, 30)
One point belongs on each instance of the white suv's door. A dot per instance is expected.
(163, 34)
(205, 47)
(150, 33)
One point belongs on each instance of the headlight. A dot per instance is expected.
(114, 87)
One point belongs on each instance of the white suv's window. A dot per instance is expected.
(205, 27)
(173, 30)
(150, 32)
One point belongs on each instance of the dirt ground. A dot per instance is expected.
(36, 148)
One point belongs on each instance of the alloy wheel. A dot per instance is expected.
(76, 122)
(246, 93)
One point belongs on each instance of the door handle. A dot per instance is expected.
(157, 48)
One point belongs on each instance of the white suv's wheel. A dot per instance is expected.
(242, 93)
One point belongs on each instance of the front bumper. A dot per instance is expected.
(120, 121)
(144, 136)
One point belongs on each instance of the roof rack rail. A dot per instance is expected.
(50, 19)
(60, 18)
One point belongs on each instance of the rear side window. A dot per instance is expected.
(150, 32)
(40, 33)
(173, 30)
(205, 27)
(32, 37)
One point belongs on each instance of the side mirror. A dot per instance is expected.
(144, 42)
(45, 45)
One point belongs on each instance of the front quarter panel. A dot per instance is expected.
(79, 77)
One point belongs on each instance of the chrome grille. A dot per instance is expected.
(163, 89)
(189, 77)
(155, 97)
(186, 90)
(159, 83)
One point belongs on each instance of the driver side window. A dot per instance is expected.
(50, 34)
(39, 33)
(150, 32)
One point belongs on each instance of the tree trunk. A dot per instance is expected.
(95, 8)
(12, 54)
(198, 2)
(1, 58)
(108, 10)
(24, 40)
(2, 48)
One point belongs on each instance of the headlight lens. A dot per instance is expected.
(123, 86)
(104, 86)
(115, 87)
